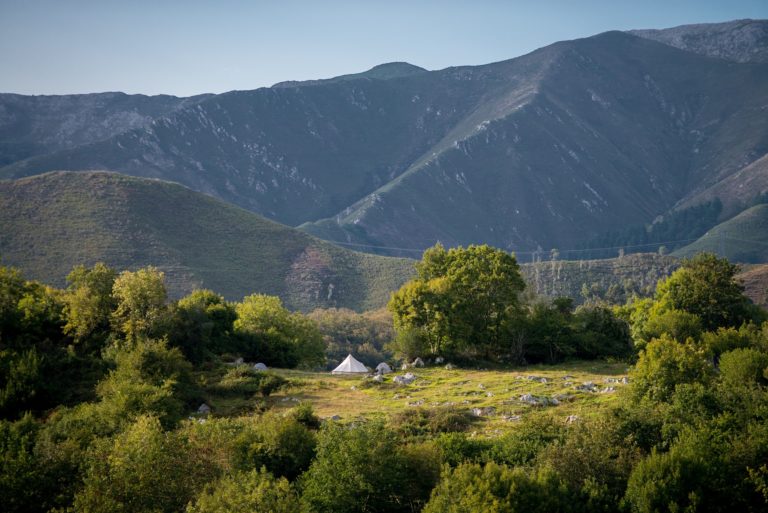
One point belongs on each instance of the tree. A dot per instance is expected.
(203, 323)
(462, 300)
(89, 304)
(706, 287)
(141, 308)
(359, 469)
(493, 488)
(666, 363)
(246, 492)
(274, 335)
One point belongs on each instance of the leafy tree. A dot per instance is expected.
(666, 363)
(12, 288)
(276, 336)
(282, 445)
(744, 366)
(493, 488)
(462, 300)
(706, 287)
(599, 333)
(202, 324)
(246, 492)
(141, 469)
(89, 304)
(358, 469)
(141, 304)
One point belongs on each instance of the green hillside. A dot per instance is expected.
(52, 222)
(743, 238)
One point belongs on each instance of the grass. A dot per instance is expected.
(354, 398)
(52, 222)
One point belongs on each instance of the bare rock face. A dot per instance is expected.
(739, 40)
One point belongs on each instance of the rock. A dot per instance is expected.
(259, 367)
(624, 380)
(334, 418)
(416, 403)
(484, 412)
(383, 368)
(204, 409)
(481, 386)
(404, 366)
(570, 419)
(489, 394)
(378, 378)
(418, 362)
(405, 379)
(439, 360)
(239, 361)
(607, 390)
(587, 386)
(538, 400)
(536, 378)
(511, 418)
(353, 388)
(450, 366)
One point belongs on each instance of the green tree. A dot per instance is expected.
(359, 469)
(462, 300)
(492, 488)
(203, 324)
(141, 304)
(246, 492)
(276, 336)
(89, 304)
(142, 469)
(666, 363)
(706, 287)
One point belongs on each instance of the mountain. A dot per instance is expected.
(545, 150)
(743, 238)
(52, 222)
(755, 279)
(38, 125)
(738, 40)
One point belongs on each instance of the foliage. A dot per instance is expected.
(345, 332)
(89, 304)
(705, 286)
(202, 325)
(245, 492)
(666, 363)
(282, 445)
(141, 304)
(141, 469)
(358, 469)
(463, 299)
(744, 366)
(496, 488)
(272, 334)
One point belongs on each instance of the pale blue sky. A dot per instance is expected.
(195, 46)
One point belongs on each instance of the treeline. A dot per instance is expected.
(468, 304)
(679, 225)
(690, 434)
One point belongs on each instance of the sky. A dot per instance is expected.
(212, 46)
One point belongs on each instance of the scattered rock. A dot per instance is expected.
(607, 390)
(334, 418)
(450, 366)
(405, 379)
(481, 386)
(570, 419)
(439, 360)
(239, 361)
(538, 400)
(353, 388)
(204, 409)
(563, 398)
(378, 378)
(537, 378)
(484, 412)
(418, 362)
(489, 394)
(587, 386)
(383, 368)
(511, 418)
(416, 403)
(259, 367)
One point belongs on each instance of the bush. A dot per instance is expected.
(423, 421)
(245, 492)
(744, 366)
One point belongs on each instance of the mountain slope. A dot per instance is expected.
(38, 125)
(743, 238)
(52, 222)
(738, 40)
(545, 150)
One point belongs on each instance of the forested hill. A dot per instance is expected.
(52, 222)
(549, 149)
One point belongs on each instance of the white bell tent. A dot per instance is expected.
(350, 366)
